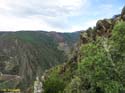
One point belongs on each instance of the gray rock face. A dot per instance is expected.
(38, 86)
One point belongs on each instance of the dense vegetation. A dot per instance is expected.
(102, 69)
(99, 65)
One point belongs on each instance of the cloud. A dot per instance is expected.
(38, 14)
(12, 23)
(42, 7)
(53, 15)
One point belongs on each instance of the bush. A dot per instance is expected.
(54, 83)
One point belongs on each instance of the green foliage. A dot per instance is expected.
(58, 79)
(118, 39)
(74, 86)
(118, 49)
(94, 68)
(54, 83)
(101, 68)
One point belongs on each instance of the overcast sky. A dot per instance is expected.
(55, 15)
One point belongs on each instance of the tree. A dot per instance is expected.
(102, 69)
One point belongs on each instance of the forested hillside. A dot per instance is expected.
(98, 62)
(27, 54)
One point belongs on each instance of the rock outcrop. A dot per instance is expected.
(123, 14)
(38, 86)
(102, 28)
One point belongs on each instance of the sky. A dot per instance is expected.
(55, 15)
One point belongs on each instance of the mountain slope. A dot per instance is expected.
(28, 54)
